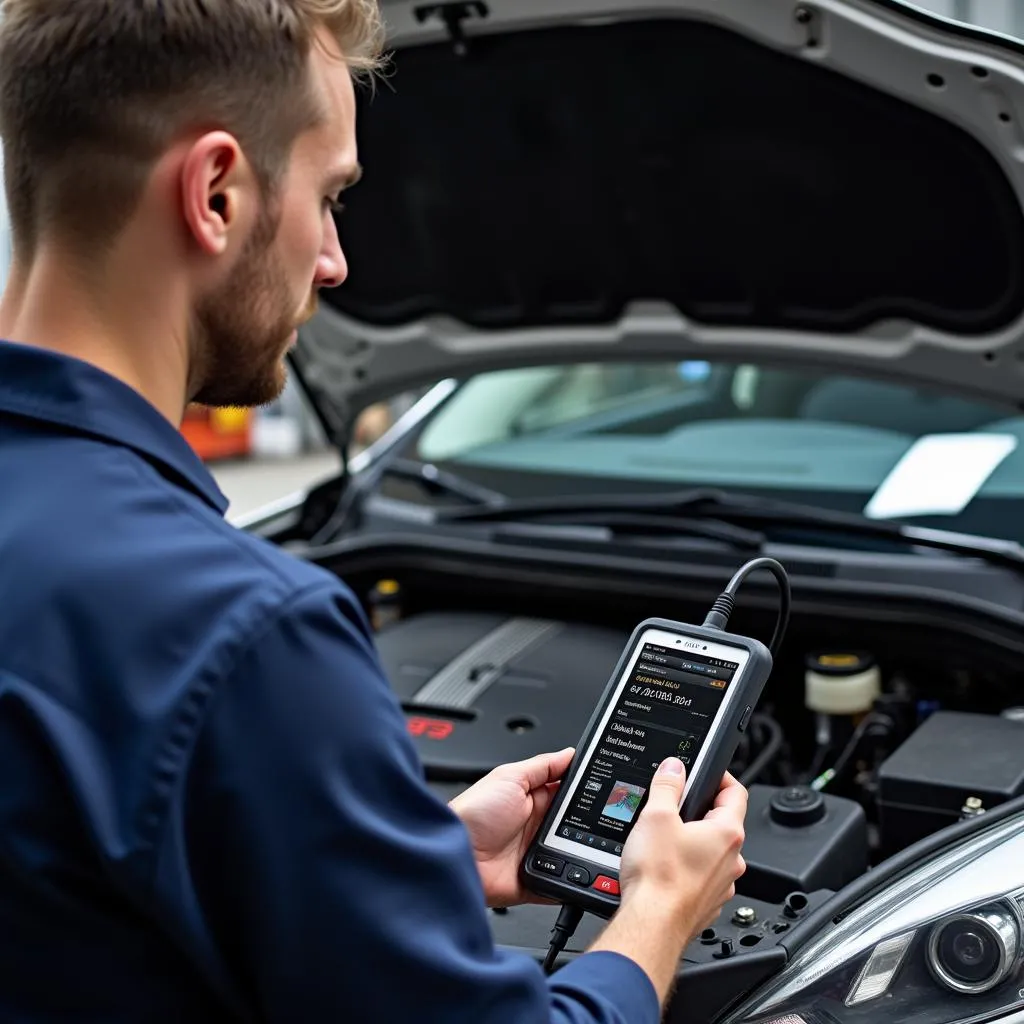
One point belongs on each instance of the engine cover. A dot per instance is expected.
(481, 690)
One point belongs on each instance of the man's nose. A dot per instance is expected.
(331, 265)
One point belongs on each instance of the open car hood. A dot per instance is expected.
(838, 182)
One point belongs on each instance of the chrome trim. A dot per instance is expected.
(1002, 925)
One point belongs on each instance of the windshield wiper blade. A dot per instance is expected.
(440, 481)
(638, 524)
(725, 508)
(696, 501)
(491, 506)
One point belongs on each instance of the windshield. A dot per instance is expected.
(1005, 16)
(890, 450)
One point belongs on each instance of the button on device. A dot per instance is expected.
(745, 718)
(578, 876)
(549, 865)
(605, 884)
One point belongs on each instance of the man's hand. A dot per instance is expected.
(675, 875)
(692, 865)
(502, 812)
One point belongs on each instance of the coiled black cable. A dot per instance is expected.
(721, 610)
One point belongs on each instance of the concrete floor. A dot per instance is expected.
(250, 483)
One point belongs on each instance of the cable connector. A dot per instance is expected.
(569, 918)
(721, 610)
(718, 617)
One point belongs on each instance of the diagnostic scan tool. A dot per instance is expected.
(678, 690)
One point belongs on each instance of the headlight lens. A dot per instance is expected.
(944, 944)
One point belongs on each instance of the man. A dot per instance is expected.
(210, 809)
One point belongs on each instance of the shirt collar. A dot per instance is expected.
(62, 390)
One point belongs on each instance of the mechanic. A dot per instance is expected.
(211, 809)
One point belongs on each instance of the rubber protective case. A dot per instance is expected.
(702, 787)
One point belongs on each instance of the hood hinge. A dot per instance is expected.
(453, 15)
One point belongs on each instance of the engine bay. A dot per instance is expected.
(869, 736)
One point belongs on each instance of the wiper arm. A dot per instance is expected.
(432, 479)
(708, 503)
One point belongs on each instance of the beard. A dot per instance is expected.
(240, 334)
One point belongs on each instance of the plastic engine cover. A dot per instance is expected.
(481, 690)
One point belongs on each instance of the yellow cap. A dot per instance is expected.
(838, 660)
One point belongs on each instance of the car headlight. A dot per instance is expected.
(943, 944)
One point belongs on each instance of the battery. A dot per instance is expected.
(953, 756)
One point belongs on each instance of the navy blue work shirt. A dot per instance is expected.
(210, 809)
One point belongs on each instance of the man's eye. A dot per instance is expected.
(336, 205)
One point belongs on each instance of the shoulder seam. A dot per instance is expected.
(229, 531)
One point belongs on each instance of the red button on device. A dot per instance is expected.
(605, 884)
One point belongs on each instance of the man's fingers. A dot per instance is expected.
(730, 791)
(539, 770)
(542, 799)
(731, 800)
(667, 784)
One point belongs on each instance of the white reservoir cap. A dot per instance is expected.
(841, 683)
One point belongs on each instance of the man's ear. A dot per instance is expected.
(215, 186)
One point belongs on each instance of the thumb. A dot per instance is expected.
(539, 770)
(667, 784)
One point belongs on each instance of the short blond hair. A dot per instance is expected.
(93, 91)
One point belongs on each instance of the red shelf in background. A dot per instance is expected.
(218, 433)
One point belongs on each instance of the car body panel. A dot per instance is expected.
(836, 185)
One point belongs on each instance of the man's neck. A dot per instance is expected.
(120, 323)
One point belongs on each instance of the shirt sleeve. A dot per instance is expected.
(332, 883)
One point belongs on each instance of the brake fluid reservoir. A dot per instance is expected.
(841, 683)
